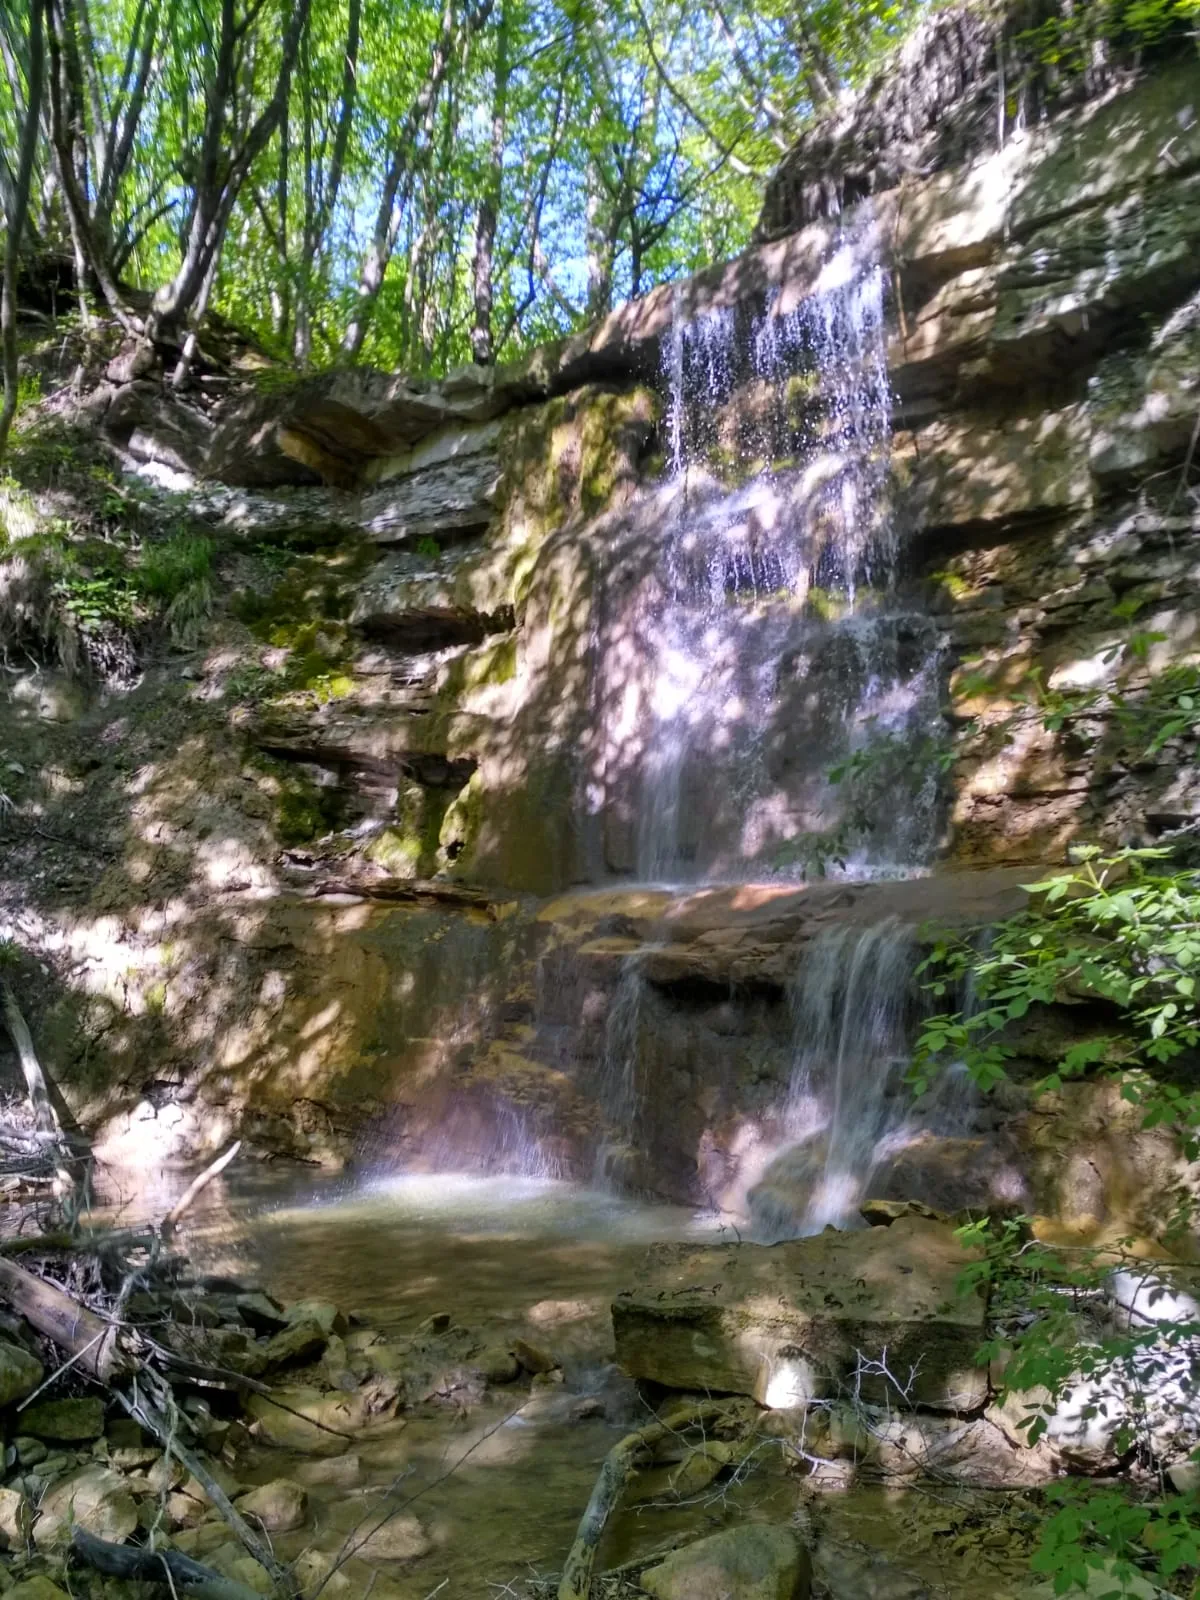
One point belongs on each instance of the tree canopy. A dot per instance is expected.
(416, 182)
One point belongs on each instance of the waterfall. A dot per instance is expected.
(618, 1091)
(853, 1006)
(769, 646)
(846, 1107)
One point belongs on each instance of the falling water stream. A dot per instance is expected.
(772, 642)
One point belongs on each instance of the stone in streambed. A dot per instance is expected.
(307, 1419)
(15, 1519)
(400, 1538)
(533, 1359)
(793, 1322)
(37, 1587)
(327, 1317)
(29, 1450)
(261, 1312)
(497, 1365)
(199, 1543)
(298, 1342)
(278, 1507)
(96, 1498)
(753, 1562)
(68, 1421)
(20, 1373)
(231, 1561)
(699, 1467)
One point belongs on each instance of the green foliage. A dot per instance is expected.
(1080, 1326)
(1079, 1329)
(620, 146)
(1069, 40)
(1123, 929)
(29, 392)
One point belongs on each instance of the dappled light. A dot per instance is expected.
(598, 801)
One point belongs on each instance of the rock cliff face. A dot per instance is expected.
(368, 859)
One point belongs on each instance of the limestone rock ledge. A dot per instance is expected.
(811, 1319)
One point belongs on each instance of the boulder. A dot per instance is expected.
(96, 1498)
(533, 1359)
(298, 1342)
(262, 1312)
(278, 1506)
(66, 1421)
(315, 1422)
(15, 1518)
(799, 1321)
(757, 1561)
(20, 1373)
(326, 1316)
(497, 1365)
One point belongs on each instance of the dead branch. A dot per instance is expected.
(620, 1465)
(154, 1416)
(197, 1185)
(172, 1568)
(37, 1087)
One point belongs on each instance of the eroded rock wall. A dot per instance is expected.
(323, 836)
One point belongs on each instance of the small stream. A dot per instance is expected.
(499, 1485)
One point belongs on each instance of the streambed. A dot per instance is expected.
(498, 1484)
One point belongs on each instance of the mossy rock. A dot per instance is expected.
(65, 1421)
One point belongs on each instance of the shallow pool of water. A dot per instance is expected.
(498, 1486)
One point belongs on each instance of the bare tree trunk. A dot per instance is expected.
(482, 344)
(599, 254)
(15, 219)
(223, 171)
(410, 138)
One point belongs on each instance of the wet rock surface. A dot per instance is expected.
(795, 1322)
(757, 1562)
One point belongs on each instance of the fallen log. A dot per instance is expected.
(620, 1464)
(89, 1340)
(172, 1568)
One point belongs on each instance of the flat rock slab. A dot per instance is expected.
(810, 1319)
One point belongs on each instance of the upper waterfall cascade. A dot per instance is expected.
(762, 639)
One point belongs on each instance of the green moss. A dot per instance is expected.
(493, 662)
(396, 852)
(954, 584)
(461, 823)
(825, 604)
(304, 810)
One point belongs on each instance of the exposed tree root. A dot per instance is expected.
(621, 1464)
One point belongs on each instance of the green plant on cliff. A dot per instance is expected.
(1079, 1328)
(1070, 40)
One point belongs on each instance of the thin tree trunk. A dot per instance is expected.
(15, 229)
(412, 135)
(482, 345)
(222, 171)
